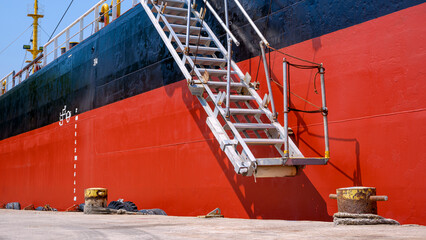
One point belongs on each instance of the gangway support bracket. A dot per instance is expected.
(306, 161)
(196, 89)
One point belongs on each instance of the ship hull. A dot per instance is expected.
(153, 147)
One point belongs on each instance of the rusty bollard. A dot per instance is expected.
(95, 198)
(359, 200)
(358, 206)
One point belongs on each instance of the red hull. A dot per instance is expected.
(156, 150)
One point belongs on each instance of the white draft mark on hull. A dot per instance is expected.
(64, 114)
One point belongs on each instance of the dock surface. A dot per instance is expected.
(65, 225)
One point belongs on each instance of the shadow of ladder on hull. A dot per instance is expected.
(245, 124)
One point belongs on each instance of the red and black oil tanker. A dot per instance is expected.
(115, 112)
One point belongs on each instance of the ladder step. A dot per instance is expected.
(178, 11)
(217, 84)
(172, 3)
(263, 141)
(251, 126)
(215, 72)
(209, 61)
(173, 19)
(236, 98)
(201, 50)
(193, 39)
(177, 28)
(245, 111)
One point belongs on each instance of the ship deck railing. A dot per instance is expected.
(73, 34)
(6, 83)
(77, 31)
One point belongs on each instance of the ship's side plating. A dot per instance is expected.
(135, 125)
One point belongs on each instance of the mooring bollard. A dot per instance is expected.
(95, 198)
(360, 200)
(358, 206)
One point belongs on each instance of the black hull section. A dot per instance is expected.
(132, 58)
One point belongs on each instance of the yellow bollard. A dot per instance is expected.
(3, 87)
(105, 13)
(95, 198)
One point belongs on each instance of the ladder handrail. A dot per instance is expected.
(188, 23)
(222, 23)
(252, 23)
(324, 108)
(268, 80)
(228, 62)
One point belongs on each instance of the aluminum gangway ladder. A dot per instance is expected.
(238, 117)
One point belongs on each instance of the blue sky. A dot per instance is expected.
(14, 20)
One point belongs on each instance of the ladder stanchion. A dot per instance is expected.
(285, 97)
(96, 18)
(67, 41)
(268, 79)
(324, 113)
(228, 74)
(13, 79)
(188, 22)
(114, 11)
(55, 51)
(44, 55)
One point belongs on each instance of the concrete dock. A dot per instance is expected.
(63, 225)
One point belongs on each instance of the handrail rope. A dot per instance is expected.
(280, 85)
(319, 109)
(20, 35)
(63, 15)
(26, 52)
(43, 29)
(308, 67)
(289, 55)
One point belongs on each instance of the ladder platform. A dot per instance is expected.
(276, 171)
(291, 161)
